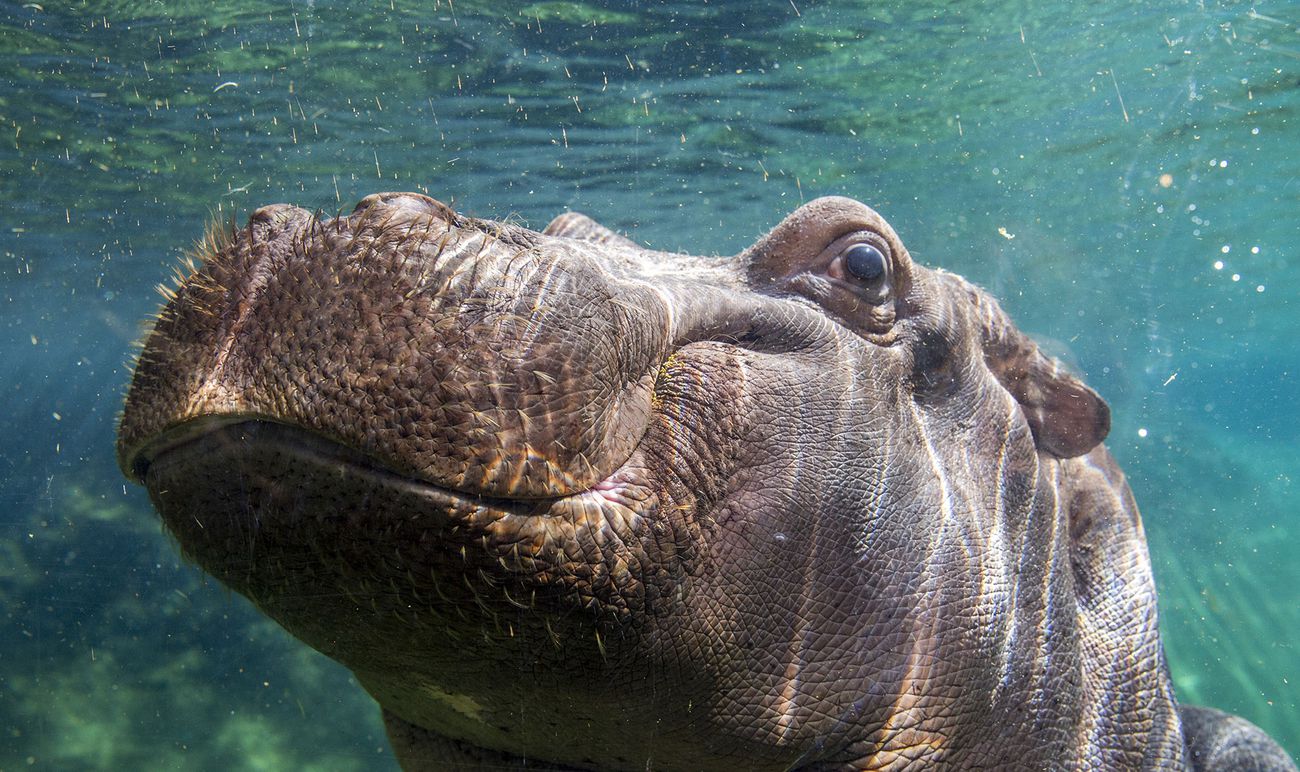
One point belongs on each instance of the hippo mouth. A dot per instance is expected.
(195, 440)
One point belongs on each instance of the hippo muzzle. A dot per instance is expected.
(561, 501)
(491, 367)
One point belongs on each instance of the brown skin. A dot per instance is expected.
(563, 502)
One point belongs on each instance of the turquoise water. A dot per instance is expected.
(1126, 177)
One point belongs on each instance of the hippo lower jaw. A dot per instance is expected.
(254, 480)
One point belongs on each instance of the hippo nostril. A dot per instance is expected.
(268, 221)
(412, 202)
(371, 201)
(273, 215)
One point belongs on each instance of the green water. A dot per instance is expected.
(1125, 176)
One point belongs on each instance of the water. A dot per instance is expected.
(1124, 176)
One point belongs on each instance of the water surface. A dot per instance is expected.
(1125, 177)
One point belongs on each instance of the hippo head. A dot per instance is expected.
(555, 496)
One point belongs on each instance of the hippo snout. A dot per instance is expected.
(445, 348)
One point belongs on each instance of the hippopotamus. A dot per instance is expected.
(561, 501)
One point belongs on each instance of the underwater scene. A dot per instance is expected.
(1124, 177)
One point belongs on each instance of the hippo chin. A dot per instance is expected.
(563, 502)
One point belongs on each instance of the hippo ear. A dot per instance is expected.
(575, 225)
(1067, 418)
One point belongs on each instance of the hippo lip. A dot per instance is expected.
(205, 428)
(140, 458)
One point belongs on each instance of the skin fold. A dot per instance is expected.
(563, 502)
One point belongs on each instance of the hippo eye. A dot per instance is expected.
(864, 262)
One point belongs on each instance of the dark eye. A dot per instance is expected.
(865, 262)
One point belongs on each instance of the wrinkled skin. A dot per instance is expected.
(560, 501)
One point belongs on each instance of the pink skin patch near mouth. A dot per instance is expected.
(618, 489)
(611, 490)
